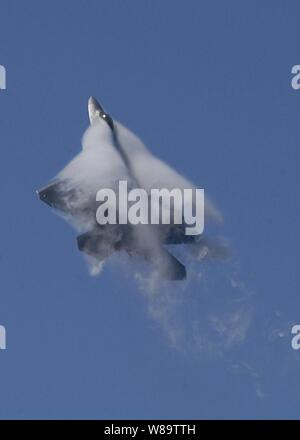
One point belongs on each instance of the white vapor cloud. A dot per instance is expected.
(208, 321)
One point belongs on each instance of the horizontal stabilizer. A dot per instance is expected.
(167, 265)
(96, 245)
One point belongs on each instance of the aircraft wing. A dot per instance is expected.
(151, 172)
(99, 165)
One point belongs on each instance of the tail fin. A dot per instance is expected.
(167, 265)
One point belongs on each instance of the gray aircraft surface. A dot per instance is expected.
(147, 241)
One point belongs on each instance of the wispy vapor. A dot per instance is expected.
(216, 316)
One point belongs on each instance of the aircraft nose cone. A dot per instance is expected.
(93, 104)
(94, 109)
(91, 100)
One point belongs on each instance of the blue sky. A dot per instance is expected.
(206, 84)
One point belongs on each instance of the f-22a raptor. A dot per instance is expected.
(111, 152)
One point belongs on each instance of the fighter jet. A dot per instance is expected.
(111, 152)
